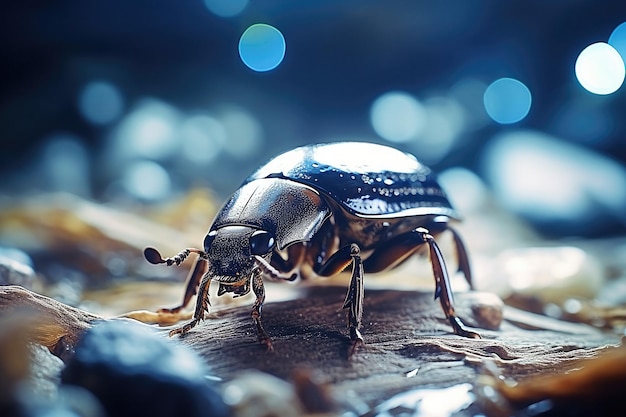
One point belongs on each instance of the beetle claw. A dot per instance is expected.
(459, 328)
(437, 291)
(184, 329)
(356, 341)
(267, 342)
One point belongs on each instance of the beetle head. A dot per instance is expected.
(231, 251)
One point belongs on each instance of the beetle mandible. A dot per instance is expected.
(314, 211)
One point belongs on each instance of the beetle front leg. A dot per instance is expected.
(200, 267)
(259, 291)
(202, 305)
(197, 272)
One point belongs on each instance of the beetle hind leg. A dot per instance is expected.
(405, 245)
(462, 259)
(443, 290)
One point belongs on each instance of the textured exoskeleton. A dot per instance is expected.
(316, 210)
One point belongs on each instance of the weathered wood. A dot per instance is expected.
(408, 341)
(52, 324)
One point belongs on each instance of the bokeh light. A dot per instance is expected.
(600, 69)
(210, 118)
(100, 102)
(618, 40)
(465, 190)
(65, 165)
(203, 138)
(149, 131)
(244, 134)
(445, 121)
(226, 8)
(397, 116)
(469, 93)
(262, 47)
(548, 180)
(507, 100)
(584, 121)
(146, 180)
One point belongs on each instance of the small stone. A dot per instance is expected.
(257, 394)
(134, 371)
(486, 309)
(479, 309)
(45, 372)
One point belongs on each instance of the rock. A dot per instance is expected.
(133, 371)
(97, 241)
(486, 309)
(45, 372)
(30, 376)
(253, 393)
(50, 323)
(257, 394)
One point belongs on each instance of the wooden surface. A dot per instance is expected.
(409, 343)
(50, 323)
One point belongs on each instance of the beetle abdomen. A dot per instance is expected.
(366, 179)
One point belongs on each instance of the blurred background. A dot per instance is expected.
(125, 124)
(135, 103)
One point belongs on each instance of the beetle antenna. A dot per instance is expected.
(154, 257)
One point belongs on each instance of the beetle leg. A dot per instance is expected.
(294, 259)
(462, 258)
(199, 269)
(407, 244)
(272, 272)
(259, 291)
(354, 298)
(193, 280)
(336, 263)
(202, 305)
(443, 289)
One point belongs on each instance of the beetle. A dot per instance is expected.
(314, 211)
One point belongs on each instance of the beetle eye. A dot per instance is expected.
(208, 240)
(261, 242)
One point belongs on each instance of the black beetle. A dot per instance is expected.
(315, 210)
